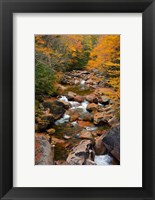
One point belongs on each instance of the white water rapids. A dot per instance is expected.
(103, 159)
(99, 159)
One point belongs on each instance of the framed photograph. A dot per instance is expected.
(77, 99)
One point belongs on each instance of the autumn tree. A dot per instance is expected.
(105, 56)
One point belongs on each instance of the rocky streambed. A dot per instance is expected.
(79, 126)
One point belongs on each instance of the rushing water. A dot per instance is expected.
(64, 119)
(103, 160)
(82, 82)
(99, 159)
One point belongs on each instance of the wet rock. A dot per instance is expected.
(84, 72)
(79, 98)
(76, 82)
(113, 121)
(103, 100)
(56, 109)
(71, 96)
(64, 104)
(92, 98)
(99, 119)
(86, 117)
(48, 118)
(42, 125)
(86, 135)
(84, 123)
(81, 153)
(44, 152)
(57, 141)
(92, 107)
(64, 80)
(90, 162)
(99, 148)
(36, 128)
(66, 137)
(61, 162)
(112, 142)
(51, 131)
(61, 88)
(90, 81)
(74, 115)
(37, 119)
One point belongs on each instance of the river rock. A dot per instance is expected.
(113, 121)
(64, 104)
(86, 117)
(76, 82)
(92, 107)
(71, 96)
(81, 153)
(104, 100)
(90, 81)
(64, 80)
(61, 162)
(84, 123)
(51, 131)
(112, 142)
(90, 162)
(79, 98)
(42, 126)
(99, 119)
(57, 141)
(48, 118)
(56, 109)
(66, 137)
(99, 148)
(86, 135)
(92, 98)
(44, 152)
(74, 115)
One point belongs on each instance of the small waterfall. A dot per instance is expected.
(103, 160)
(74, 123)
(74, 104)
(64, 119)
(63, 98)
(82, 82)
(91, 128)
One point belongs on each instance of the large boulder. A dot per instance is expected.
(100, 148)
(74, 115)
(104, 100)
(42, 126)
(112, 142)
(100, 119)
(56, 109)
(92, 107)
(71, 96)
(113, 121)
(84, 123)
(90, 81)
(64, 104)
(81, 153)
(48, 118)
(79, 98)
(86, 116)
(44, 152)
(86, 135)
(92, 98)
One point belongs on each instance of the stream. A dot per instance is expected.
(62, 122)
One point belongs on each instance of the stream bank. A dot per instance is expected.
(81, 123)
